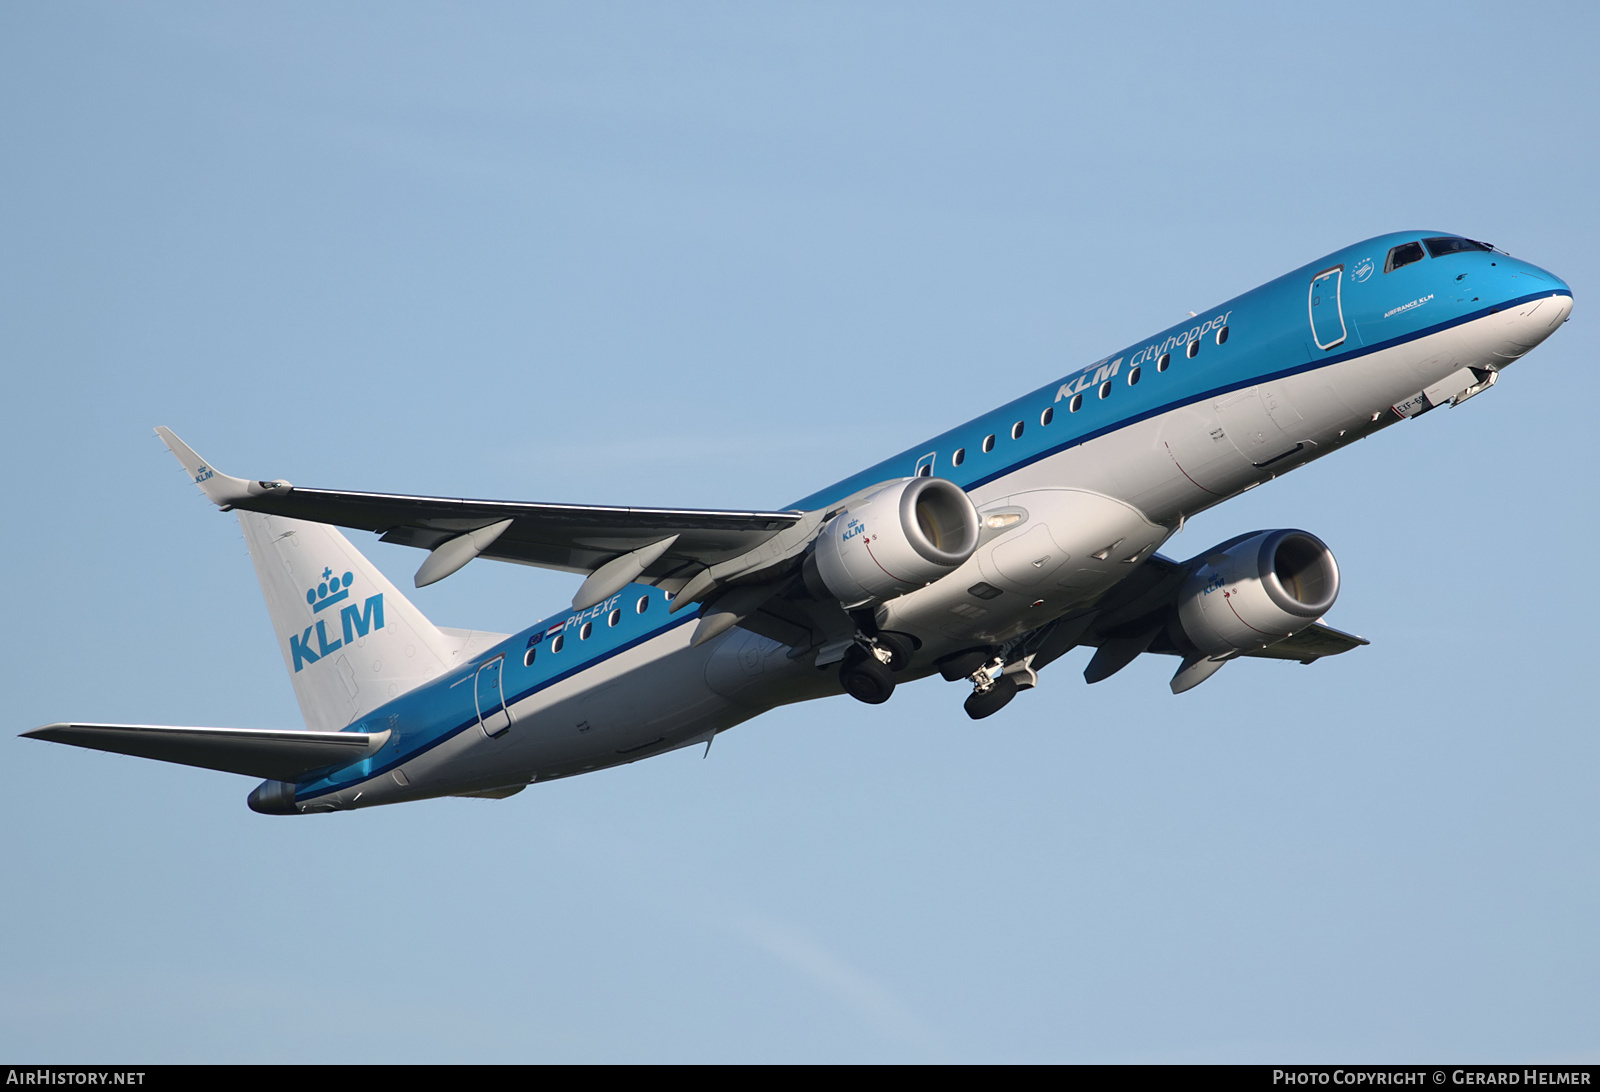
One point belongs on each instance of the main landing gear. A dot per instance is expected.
(992, 687)
(867, 673)
(987, 700)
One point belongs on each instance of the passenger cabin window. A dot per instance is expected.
(1105, 389)
(614, 617)
(561, 639)
(1193, 350)
(1404, 254)
(1047, 416)
(527, 657)
(1016, 431)
(643, 604)
(583, 633)
(1076, 404)
(1133, 376)
(958, 456)
(988, 443)
(1452, 244)
(1164, 363)
(1222, 336)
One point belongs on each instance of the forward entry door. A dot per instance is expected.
(1327, 314)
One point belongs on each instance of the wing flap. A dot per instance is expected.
(271, 755)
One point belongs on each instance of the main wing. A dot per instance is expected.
(662, 546)
(1311, 643)
(1136, 616)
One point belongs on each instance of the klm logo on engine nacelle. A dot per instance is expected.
(852, 529)
(355, 621)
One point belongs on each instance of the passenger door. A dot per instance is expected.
(1327, 313)
(493, 715)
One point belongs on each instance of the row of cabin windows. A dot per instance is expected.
(959, 456)
(584, 631)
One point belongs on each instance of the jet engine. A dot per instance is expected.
(1256, 591)
(900, 538)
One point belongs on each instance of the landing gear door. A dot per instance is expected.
(492, 713)
(1327, 315)
(1248, 420)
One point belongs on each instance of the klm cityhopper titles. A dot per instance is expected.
(981, 555)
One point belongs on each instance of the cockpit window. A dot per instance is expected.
(1404, 254)
(1453, 244)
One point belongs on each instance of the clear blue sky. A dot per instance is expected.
(721, 255)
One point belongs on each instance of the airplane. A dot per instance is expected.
(981, 555)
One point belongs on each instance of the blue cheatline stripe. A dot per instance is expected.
(1009, 468)
(401, 758)
(1266, 377)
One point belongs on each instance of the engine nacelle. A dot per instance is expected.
(899, 539)
(1255, 593)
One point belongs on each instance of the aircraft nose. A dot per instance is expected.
(1543, 277)
(1528, 323)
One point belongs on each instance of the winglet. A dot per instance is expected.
(220, 489)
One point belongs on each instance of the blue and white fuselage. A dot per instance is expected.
(1075, 486)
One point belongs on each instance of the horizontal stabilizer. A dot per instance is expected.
(272, 755)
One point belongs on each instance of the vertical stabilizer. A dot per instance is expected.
(350, 640)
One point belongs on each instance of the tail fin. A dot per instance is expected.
(350, 640)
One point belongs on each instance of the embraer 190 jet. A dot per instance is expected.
(981, 555)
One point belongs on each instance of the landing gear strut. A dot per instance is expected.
(991, 690)
(865, 677)
(867, 673)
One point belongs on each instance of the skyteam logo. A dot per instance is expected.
(355, 621)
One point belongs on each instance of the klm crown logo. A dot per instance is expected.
(354, 621)
(330, 591)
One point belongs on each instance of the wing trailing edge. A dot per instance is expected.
(575, 538)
